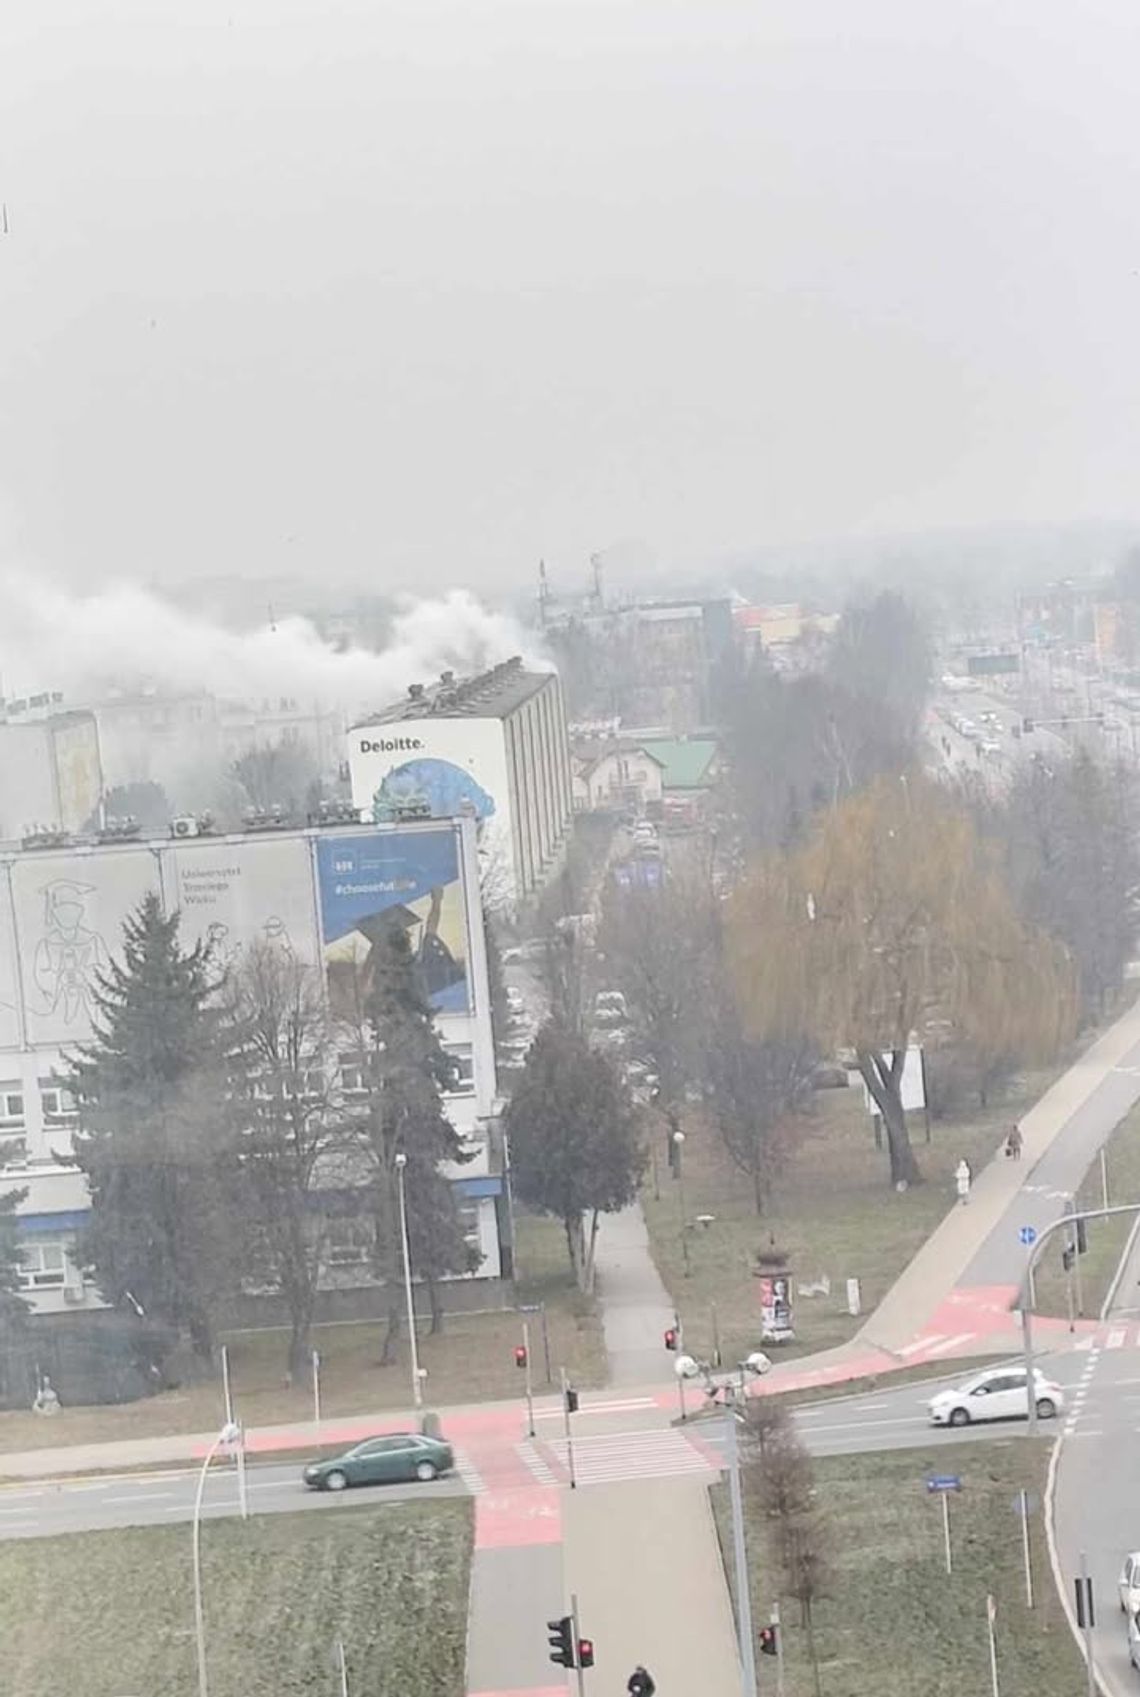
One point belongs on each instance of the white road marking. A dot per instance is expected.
(922, 1343)
(950, 1343)
(139, 1497)
(1115, 1338)
(555, 1413)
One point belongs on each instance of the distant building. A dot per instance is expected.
(613, 775)
(491, 747)
(777, 627)
(52, 768)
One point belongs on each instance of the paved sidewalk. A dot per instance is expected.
(645, 1563)
(636, 1308)
(976, 1245)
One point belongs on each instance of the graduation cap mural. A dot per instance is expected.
(69, 956)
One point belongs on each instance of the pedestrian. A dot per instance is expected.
(1013, 1143)
(640, 1683)
(962, 1179)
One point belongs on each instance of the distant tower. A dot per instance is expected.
(543, 594)
(597, 600)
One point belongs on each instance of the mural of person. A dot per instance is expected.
(275, 935)
(69, 956)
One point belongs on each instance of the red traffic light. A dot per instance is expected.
(585, 1652)
(520, 1355)
(671, 1338)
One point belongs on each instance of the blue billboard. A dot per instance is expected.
(409, 881)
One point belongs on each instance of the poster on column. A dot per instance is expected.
(233, 894)
(409, 881)
(70, 910)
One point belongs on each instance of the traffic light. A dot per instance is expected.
(571, 1400)
(561, 1641)
(1068, 1256)
(520, 1355)
(768, 1640)
(585, 1652)
(1082, 1237)
(671, 1337)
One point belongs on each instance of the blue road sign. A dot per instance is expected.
(1027, 1235)
(943, 1482)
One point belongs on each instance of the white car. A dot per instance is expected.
(515, 1003)
(997, 1394)
(1129, 1584)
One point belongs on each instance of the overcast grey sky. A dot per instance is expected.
(414, 291)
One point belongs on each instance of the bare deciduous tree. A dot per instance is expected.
(287, 1060)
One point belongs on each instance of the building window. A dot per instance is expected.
(43, 1266)
(352, 1077)
(11, 1103)
(468, 1213)
(348, 1241)
(58, 1104)
(463, 1065)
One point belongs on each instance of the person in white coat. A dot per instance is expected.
(962, 1179)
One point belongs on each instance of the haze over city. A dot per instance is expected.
(420, 293)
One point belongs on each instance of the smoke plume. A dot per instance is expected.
(123, 639)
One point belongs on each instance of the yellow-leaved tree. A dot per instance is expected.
(891, 922)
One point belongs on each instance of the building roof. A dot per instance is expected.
(687, 761)
(494, 694)
(591, 755)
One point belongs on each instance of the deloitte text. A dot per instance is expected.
(390, 745)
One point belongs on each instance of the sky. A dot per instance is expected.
(409, 293)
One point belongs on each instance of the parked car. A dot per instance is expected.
(997, 1394)
(382, 1461)
(611, 1001)
(1129, 1583)
(515, 1003)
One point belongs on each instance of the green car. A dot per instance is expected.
(381, 1461)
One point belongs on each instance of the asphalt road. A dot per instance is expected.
(46, 1509)
(1096, 1507)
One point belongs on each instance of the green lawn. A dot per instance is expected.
(893, 1623)
(833, 1212)
(1106, 1238)
(471, 1360)
(110, 1614)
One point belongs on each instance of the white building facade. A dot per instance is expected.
(322, 896)
(492, 748)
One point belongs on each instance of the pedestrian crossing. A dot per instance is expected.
(1111, 1337)
(469, 1473)
(656, 1453)
(934, 1344)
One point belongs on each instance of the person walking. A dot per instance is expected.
(1013, 1143)
(640, 1683)
(962, 1177)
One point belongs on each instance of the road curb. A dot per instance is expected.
(1055, 1564)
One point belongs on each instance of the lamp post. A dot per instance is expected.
(678, 1169)
(417, 1388)
(229, 1433)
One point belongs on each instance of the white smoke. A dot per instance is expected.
(123, 639)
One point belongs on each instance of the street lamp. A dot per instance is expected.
(229, 1434)
(678, 1168)
(417, 1388)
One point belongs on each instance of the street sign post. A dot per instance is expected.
(943, 1485)
(1027, 1235)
